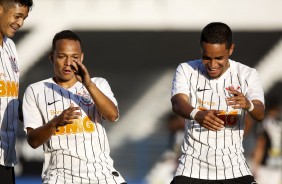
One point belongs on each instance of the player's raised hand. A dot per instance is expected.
(237, 99)
(68, 115)
(81, 72)
(209, 119)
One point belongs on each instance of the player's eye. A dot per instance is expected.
(205, 58)
(61, 56)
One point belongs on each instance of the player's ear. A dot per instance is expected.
(82, 57)
(231, 49)
(1, 9)
(51, 57)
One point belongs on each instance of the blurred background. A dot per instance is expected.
(137, 45)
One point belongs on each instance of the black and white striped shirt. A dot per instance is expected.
(9, 104)
(78, 152)
(214, 155)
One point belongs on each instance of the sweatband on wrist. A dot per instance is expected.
(252, 107)
(193, 114)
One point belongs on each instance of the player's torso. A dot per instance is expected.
(77, 152)
(211, 94)
(209, 154)
(9, 74)
(82, 136)
(9, 89)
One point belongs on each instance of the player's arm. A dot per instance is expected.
(207, 118)
(105, 106)
(38, 136)
(258, 111)
(239, 101)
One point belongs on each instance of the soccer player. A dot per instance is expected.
(214, 94)
(12, 16)
(66, 113)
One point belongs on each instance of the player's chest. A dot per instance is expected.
(55, 100)
(212, 94)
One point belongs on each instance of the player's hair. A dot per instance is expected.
(10, 3)
(65, 34)
(217, 33)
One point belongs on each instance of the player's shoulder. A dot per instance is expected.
(241, 68)
(191, 64)
(9, 42)
(38, 86)
(98, 80)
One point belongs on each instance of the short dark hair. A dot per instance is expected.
(217, 33)
(65, 34)
(8, 3)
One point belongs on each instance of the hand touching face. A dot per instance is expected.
(65, 57)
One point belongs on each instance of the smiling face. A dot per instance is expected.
(65, 52)
(215, 58)
(11, 19)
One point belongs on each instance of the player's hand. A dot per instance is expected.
(209, 119)
(237, 100)
(68, 115)
(81, 73)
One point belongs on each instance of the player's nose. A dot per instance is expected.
(213, 63)
(68, 61)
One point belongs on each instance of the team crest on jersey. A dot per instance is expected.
(85, 98)
(14, 64)
(236, 87)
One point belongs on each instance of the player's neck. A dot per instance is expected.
(65, 84)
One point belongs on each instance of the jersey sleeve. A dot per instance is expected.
(31, 112)
(104, 87)
(180, 82)
(255, 90)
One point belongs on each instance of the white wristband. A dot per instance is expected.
(252, 107)
(193, 113)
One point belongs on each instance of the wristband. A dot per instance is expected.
(193, 113)
(252, 107)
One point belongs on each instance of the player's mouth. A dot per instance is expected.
(67, 71)
(213, 71)
(14, 28)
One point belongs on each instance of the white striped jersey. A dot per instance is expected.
(214, 155)
(78, 152)
(9, 104)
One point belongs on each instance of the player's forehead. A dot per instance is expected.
(66, 45)
(209, 49)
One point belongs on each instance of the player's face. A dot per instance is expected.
(66, 51)
(215, 58)
(11, 19)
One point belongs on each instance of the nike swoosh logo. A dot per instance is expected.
(204, 89)
(50, 103)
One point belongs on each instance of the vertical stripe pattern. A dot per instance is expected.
(9, 104)
(78, 152)
(214, 155)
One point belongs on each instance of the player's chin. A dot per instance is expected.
(10, 34)
(67, 78)
(214, 75)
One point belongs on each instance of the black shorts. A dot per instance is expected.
(7, 175)
(186, 180)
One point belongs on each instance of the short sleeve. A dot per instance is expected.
(31, 112)
(104, 87)
(180, 82)
(255, 90)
